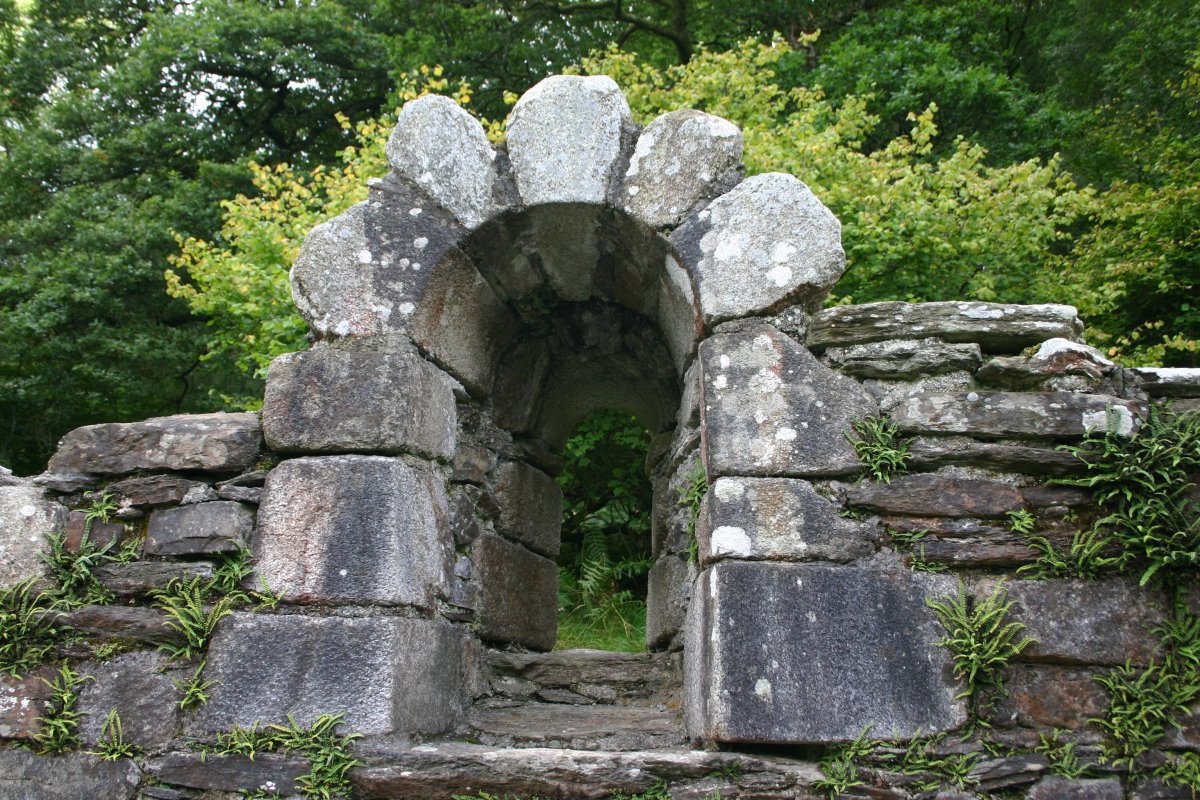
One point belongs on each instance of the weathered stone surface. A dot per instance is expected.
(151, 490)
(519, 384)
(937, 495)
(1047, 696)
(904, 358)
(518, 594)
(200, 442)
(929, 453)
(1108, 622)
(1170, 381)
(598, 676)
(530, 507)
(8, 479)
(1054, 788)
(777, 519)
(679, 315)
(585, 727)
(1006, 551)
(766, 243)
(26, 516)
(25, 776)
(389, 675)
(22, 701)
(757, 671)
(678, 165)
(438, 146)
(269, 773)
(65, 482)
(667, 593)
(1153, 789)
(137, 686)
(336, 401)
(218, 527)
(564, 139)
(1061, 415)
(353, 529)
(1057, 365)
(997, 328)
(141, 577)
(768, 407)
(996, 774)
(142, 624)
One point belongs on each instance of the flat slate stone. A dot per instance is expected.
(25, 776)
(222, 526)
(603, 727)
(530, 507)
(23, 701)
(142, 577)
(1056, 364)
(1059, 415)
(1049, 696)
(26, 516)
(936, 495)
(1055, 788)
(337, 401)
(929, 453)
(564, 139)
(200, 442)
(778, 519)
(996, 327)
(679, 164)
(767, 243)
(152, 490)
(775, 655)
(270, 773)
(138, 687)
(769, 408)
(139, 623)
(904, 359)
(438, 146)
(518, 594)
(1170, 381)
(362, 530)
(387, 674)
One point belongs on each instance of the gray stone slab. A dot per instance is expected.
(26, 517)
(904, 358)
(25, 776)
(1054, 788)
(139, 623)
(1086, 622)
(769, 408)
(336, 401)
(564, 139)
(222, 526)
(767, 243)
(201, 442)
(1061, 415)
(937, 495)
(932, 452)
(1170, 381)
(152, 490)
(681, 162)
(778, 653)
(996, 327)
(270, 773)
(518, 599)
(386, 674)
(139, 688)
(1057, 365)
(679, 316)
(141, 577)
(777, 519)
(363, 530)
(530, 507)
(438, 146)
(669, 586)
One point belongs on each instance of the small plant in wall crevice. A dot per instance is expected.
(884, 453)
(60, 725)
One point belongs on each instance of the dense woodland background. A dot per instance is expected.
(160, 162)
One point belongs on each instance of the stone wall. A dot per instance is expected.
(397, 494)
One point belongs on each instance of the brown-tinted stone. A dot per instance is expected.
(100, 534)
(1054, 788)
(1046, 696)
(928, 494)
(152, 490)
(141, 577)
(120, 622)
(22, 701)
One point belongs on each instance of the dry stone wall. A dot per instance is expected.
(397, 496)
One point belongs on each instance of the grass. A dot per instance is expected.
(690, 500)
(617, 626)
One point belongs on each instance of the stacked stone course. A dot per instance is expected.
(397, 492)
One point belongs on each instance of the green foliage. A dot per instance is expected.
(1060, 755)
(1180, 769)
(193, 613)
(1086, 558)
(839, 767)
(327, 751)
(1021, 521)
(1142, 484)
(232, 570)
(981, 638)
(880, 448)
(1142, 703)
(690, 499)
(112, 745)
(72, 572)
(60, 726)
(657, 791)
(605, 535)
(195, 688)
(27, 634)
(906, 540)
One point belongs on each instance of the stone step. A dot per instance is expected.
(584, 677)
(439, 771)
(594, 727)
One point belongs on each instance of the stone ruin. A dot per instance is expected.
(397, 494)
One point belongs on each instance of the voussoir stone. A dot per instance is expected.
(996, 327)
(1061, 415)
(437, 145)
(530, 507)
(769, 408)
(335, 401)
(518, 593)
(766, 243)
(387, 674)
(779, 519)
(679, 163)
(564, 139)
(353, 530)
(26, 517)
(27, 776)
(201, 442)
(904, 359)
(221, 526)
(778, 653)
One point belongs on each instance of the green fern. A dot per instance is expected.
(327, 751)
(60, 726)
(112, 745)
(73, 573)
(877, 442)
(191, 615)
(27, 633)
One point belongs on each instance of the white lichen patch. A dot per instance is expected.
(729, 489)
(762, 688)
(1115, 419)
(730, 540)
(785, 434)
